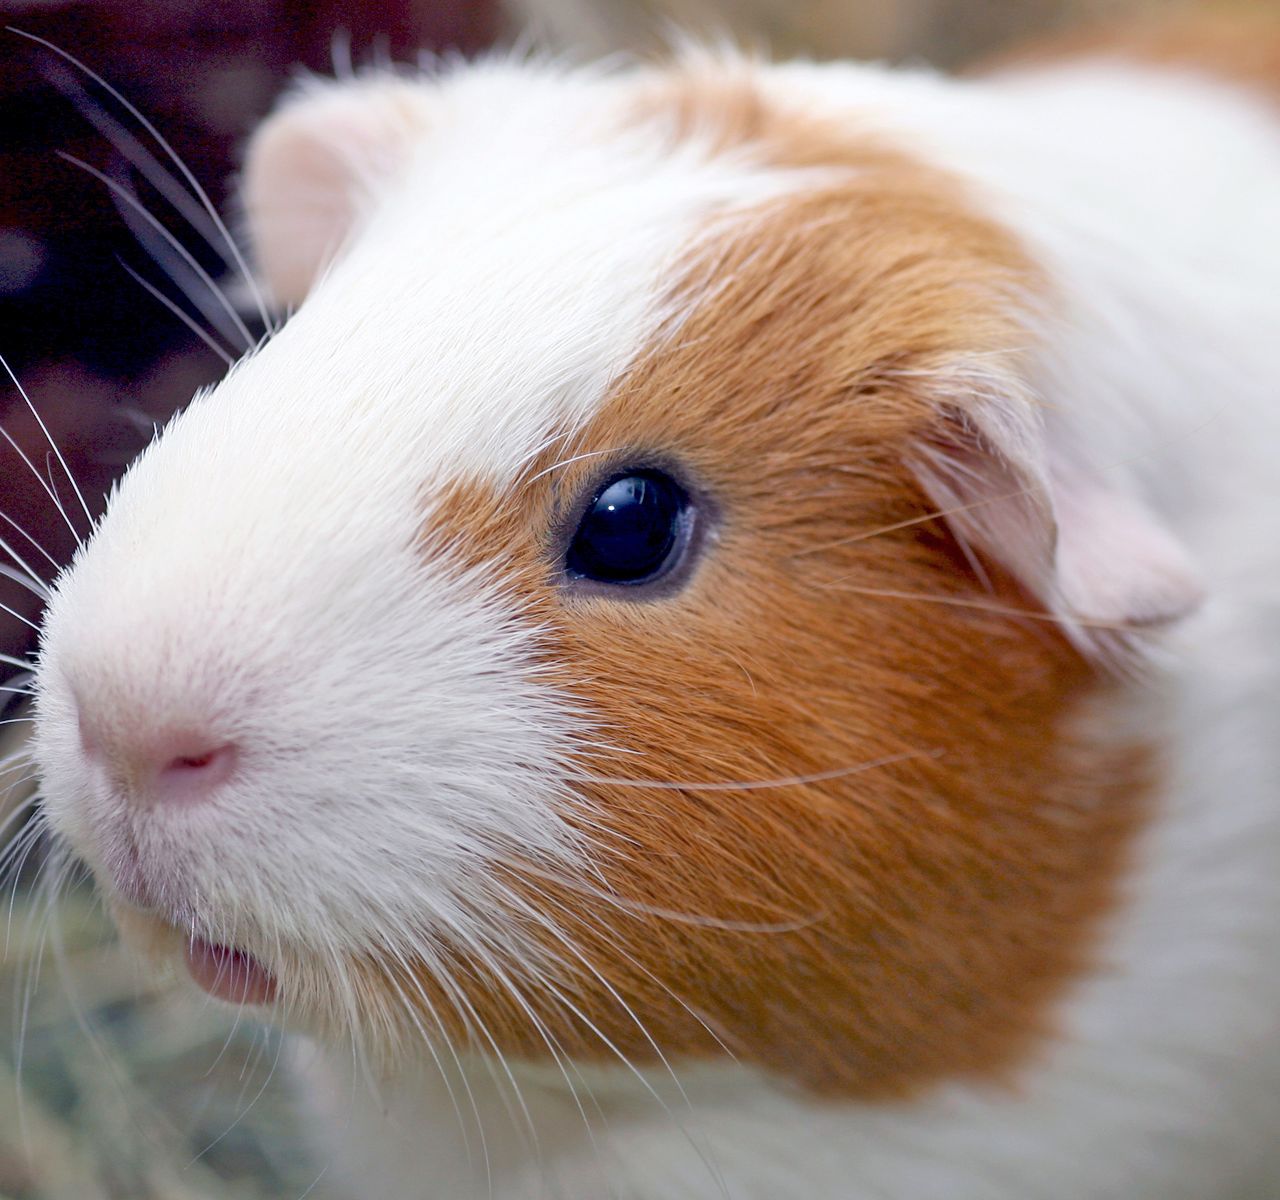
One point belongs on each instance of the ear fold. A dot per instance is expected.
(1079, 538)
(314, 168)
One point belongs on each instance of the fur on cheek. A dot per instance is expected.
(849, 817)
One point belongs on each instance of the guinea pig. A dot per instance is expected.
(730, 644)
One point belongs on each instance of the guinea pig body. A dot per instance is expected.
(729, 647)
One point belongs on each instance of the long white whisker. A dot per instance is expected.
(625, 1061)
(624, 904)
(136, 153)
(532, 456)
(617, 947)
(62, 462)
(462, 1074)
(17, 616)
(12, 573)
(180, 274)
(14, 860)
(463, 1006)
(26, 577)
(565, 462)
(1002, 610)
(747, 785)
(53, 562)
(552, 928)
(44, 483)
(123, 193)
(176, 309)
(939, 514)
(8, 852)
(29, 980)
(246, 1109)
(241, 266)
(53, 936)
(492, 964)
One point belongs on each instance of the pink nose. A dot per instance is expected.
(161, 766)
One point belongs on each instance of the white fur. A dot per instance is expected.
(512, 271)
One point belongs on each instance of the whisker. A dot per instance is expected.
(241, 266)
(13, 817)
(64, 868)
(53, 562)
(466, 1010)
(627, 1063)
(997, 609)
(25, 577)
(492, 965)
(244, 1112)
(544, 445)
(624, 904)
(24, 983)
(940, 514)
(340, 59)
(62, 462)
(135, 152)
(747, 785)
(261, 1040)
(361, 1066)
(565, 462)
(12, 573)
(44, 483)
(618, 948)
(473, 946)
(562, 938)
(123, 193)
(462, 1074)
(30, 979)
(176, 309)
(14, 859)
(17, 616)
(189, 285)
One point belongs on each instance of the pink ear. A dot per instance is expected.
(1116, 562)
(1080, 539)
(315, 167)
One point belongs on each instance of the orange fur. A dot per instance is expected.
(914, 907)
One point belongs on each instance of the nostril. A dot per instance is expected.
(144, 762)
(194, 762)
(193, 774)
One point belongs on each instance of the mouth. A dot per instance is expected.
(229, 974)
(225, 972)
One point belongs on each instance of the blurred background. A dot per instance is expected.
(110, 1084)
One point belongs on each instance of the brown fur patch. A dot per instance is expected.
(913, 906)
(1242, 46)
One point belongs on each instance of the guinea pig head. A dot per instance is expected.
(634, 607)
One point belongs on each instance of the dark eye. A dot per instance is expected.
(634, 531)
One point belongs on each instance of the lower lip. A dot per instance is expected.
(229, 974)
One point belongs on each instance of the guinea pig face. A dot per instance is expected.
(547, 642)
